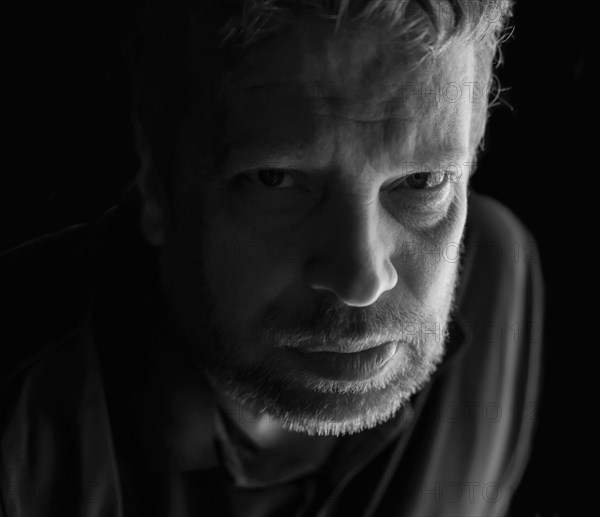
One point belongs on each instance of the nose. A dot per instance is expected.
(352, 256)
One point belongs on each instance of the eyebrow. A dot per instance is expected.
(290, 157)
(264, 154)
(447, 154)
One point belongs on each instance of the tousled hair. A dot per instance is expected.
(168, 32)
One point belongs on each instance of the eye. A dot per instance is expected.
(424, 180)
(272, 178)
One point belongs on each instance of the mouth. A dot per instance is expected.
(344, 365)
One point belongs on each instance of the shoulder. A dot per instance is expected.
(48, 283)
(501, 307)
(495, 235)
(56, 448)
(486, 213)
(53, 410)
(501, 296)
(501, 260)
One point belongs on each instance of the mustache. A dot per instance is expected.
(348, 328)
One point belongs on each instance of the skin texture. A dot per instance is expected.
(341, 251)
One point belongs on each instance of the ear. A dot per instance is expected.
(153, 215)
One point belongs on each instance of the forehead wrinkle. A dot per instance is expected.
(379, 141)
(318, 96)
(396, 146)
(366, 122)
(400, 116)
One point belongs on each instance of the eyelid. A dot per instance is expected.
(254, 170)
(294, 174)
(449, 177)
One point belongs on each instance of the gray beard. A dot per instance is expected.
(301, 401)
(305, 403)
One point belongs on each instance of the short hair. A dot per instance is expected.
(158, 50)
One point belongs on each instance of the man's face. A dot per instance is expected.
(313, 252)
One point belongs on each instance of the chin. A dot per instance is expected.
(305, 402)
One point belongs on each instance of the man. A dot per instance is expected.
(317, 317)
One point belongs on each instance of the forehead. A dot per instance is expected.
(291, 90)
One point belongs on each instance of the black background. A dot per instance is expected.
(69, 152)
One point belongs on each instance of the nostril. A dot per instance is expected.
(357, 288)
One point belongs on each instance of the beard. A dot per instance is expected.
(251, 365)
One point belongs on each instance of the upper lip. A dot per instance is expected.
(341, 348)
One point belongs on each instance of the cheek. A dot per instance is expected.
(244, 274)
(243, 268)
(427, 262)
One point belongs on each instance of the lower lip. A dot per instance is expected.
(351, 366)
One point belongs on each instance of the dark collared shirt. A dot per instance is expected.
(94, 423)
